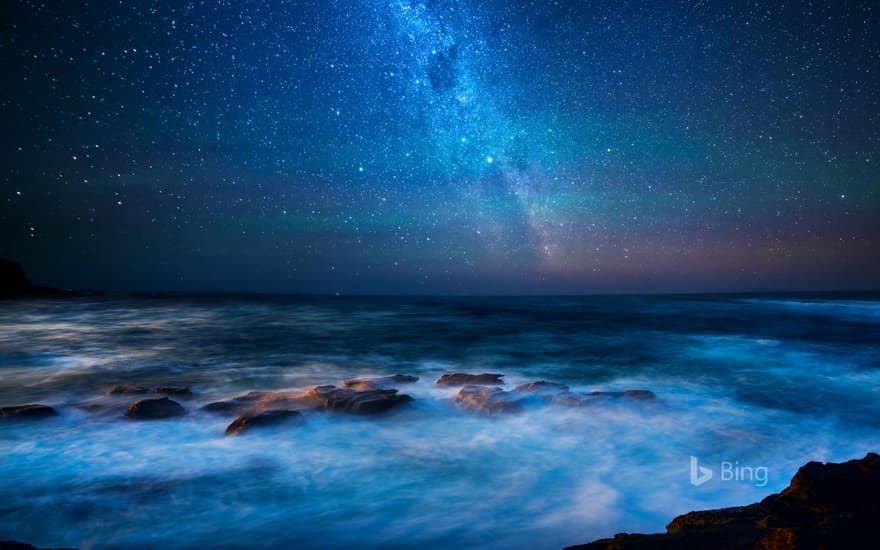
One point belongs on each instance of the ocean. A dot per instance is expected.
(748, 387)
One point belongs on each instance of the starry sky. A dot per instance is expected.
(441, 146)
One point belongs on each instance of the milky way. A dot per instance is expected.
(441, 146)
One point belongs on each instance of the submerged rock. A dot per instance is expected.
(247, 422)
(541, 387)
(154, 409)
(358, 402)
(380, 383)
(260, 401)
(462, 379)
(126, 389)
(488, 399)
(825, 506)
(28, 412)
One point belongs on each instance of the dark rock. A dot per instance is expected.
(462, 379)
(28, 412)
(13, 545)
(228, 406)
(15, 284)
(825, 506)
(260, 401)
(247, 422)
(541, 387)
(173, 390)
(126, 389)
(380, 383)
(491, 399)
(358, 402)
(154, 409)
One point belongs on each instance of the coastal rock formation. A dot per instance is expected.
(28, 412)
(13, 545)
(261, 401)
(15, 284)
(488, 399)
(358, 402)
(462, 379)
(247, 422)
(560, 394)
(541, 386)
(127, 389)
(380, 383)
(825, 506)
(154, 409)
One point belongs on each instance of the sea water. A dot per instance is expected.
(760, 383)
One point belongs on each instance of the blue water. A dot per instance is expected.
(760, 381)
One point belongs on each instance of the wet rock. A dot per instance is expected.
(488, 399)
(260, 401)
(380, 383)
(28, 412)
(247, 422)
(358, 402)
(462, 379)
(126, 389)
(541, 387)
(825, 506)
(154, 409)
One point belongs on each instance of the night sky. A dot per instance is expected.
(440, 146)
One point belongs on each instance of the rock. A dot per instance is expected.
(541, 387)
(126, 389)
(462, 379)
(380, 383)
(28, 412)
(15, 284)
(260, 401)
(825, 506)
(173, 390)
(247, 422)
(154, 409)
(13, 545)
(358, 402)
(488, 399)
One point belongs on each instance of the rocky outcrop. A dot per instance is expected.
(380, 383)
(15, 284)
(13, 545)
(154, 409)
(261, 401)
(825, 506)
(28, 412)
(541, 387)
(462, 379)
(488, 399)
(247, 422)
(358, 402)
(560, 394)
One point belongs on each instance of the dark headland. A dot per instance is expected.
(15, 284)
(826, 506)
